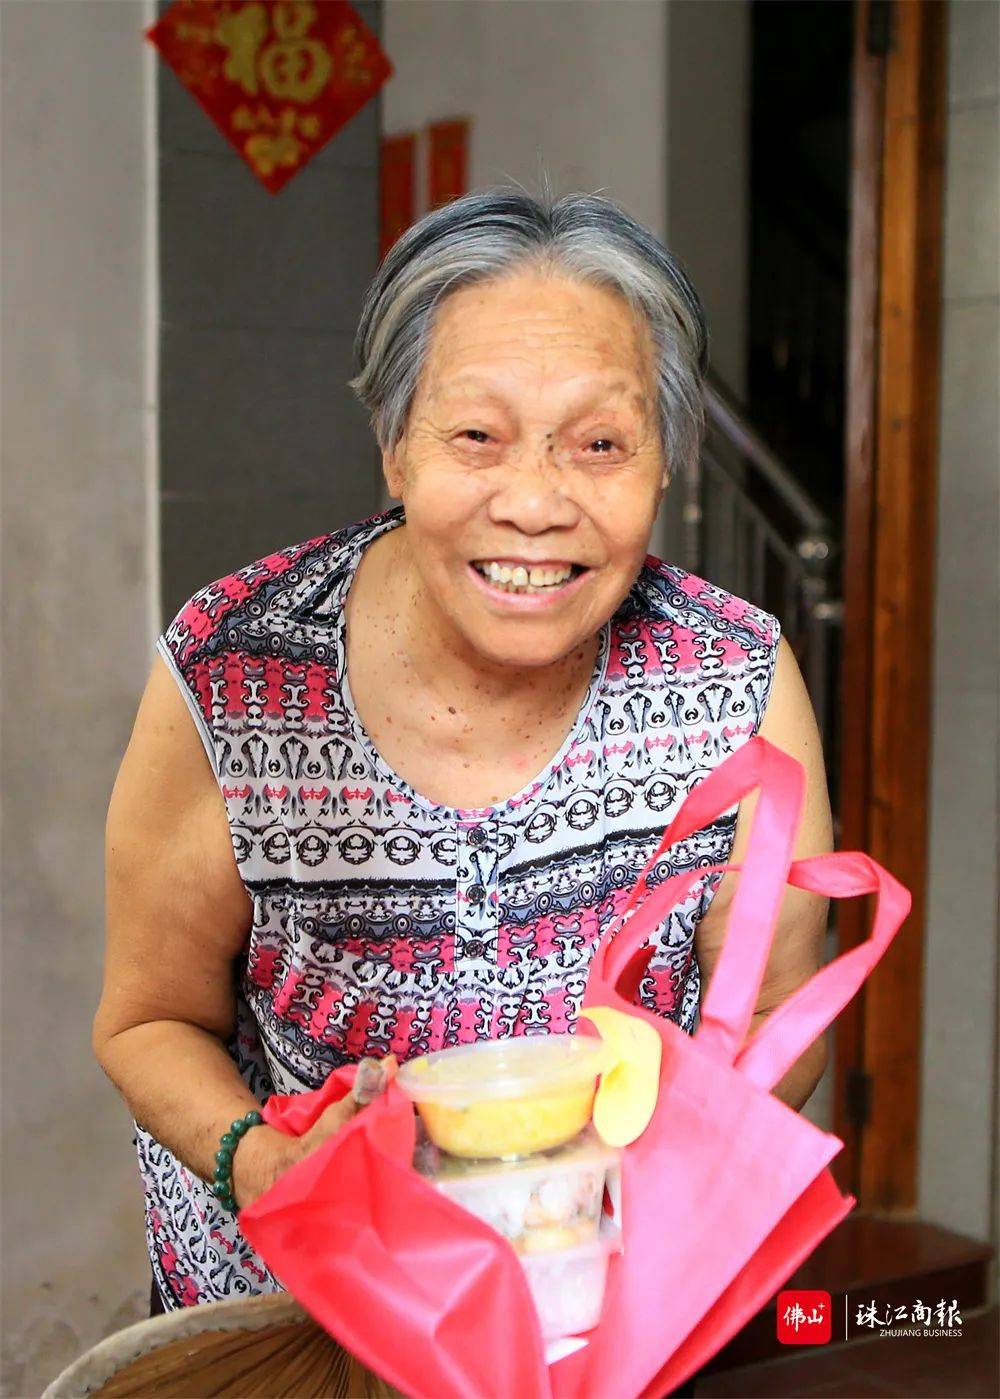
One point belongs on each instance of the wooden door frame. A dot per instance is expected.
(890, 498)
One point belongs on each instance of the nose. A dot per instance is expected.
(532, 496)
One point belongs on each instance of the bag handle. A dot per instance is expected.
(802, 1018)
(618, 949)
(732, 994)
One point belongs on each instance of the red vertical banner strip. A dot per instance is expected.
(447, 161)
(397, 187)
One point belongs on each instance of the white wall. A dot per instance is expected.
(708, 182)
(575, 88)
(77, 646)
(708, 168)
(958, 1140)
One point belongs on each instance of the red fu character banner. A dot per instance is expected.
(278, 77)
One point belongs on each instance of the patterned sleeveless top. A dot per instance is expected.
(383, 921)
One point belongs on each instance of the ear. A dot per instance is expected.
(392, 469)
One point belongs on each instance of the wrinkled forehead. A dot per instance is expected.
(528, 336)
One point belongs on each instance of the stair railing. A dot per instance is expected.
(752, 528)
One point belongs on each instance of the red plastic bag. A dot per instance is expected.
(723, 1196)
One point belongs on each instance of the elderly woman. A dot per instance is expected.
(387, 787)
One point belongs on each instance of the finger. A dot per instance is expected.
(369, 1081)
(372, 1077)
(333, 1118)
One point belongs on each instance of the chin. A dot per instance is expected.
(521, 652)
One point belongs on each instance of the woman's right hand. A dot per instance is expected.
(265, 1153)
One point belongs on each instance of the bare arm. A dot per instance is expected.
(178, 916)
(797, 950)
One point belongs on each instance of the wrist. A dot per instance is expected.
(263, 1155)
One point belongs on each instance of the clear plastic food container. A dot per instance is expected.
(568, 1285)
(506, 1098)
(548, 1201)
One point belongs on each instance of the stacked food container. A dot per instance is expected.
(508, 1136)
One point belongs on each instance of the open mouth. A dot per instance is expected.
(527, 578)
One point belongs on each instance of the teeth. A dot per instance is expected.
(524, 580)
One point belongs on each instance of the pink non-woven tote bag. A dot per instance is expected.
(723, 1195)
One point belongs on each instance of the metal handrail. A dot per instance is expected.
(722, 413)
(750, 526)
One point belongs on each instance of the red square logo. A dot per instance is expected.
(804, 1318)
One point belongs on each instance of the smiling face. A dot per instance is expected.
(531, 468)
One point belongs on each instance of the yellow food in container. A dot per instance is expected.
(506, 1098)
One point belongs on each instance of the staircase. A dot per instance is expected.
(751, 528)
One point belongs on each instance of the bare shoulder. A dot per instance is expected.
(175, 898)
(789, 713)
(789, 722)
(165, 772)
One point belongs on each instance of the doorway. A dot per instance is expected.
(838, 472)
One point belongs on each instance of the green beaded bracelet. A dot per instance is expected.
(222, 1185)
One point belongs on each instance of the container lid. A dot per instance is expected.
(585, 1150)
(525, 1066)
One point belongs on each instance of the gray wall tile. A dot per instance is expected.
(298, 261)
(262, 443)
(258, 410)
(207, 537)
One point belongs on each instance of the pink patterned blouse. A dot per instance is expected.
(383, 921)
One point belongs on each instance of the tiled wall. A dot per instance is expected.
(261, 442)
(958, 1131)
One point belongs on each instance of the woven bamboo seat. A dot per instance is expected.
(256, 1346)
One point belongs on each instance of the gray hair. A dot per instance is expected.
(490, 234)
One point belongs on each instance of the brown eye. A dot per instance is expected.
(475, 434)
(605, 443)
